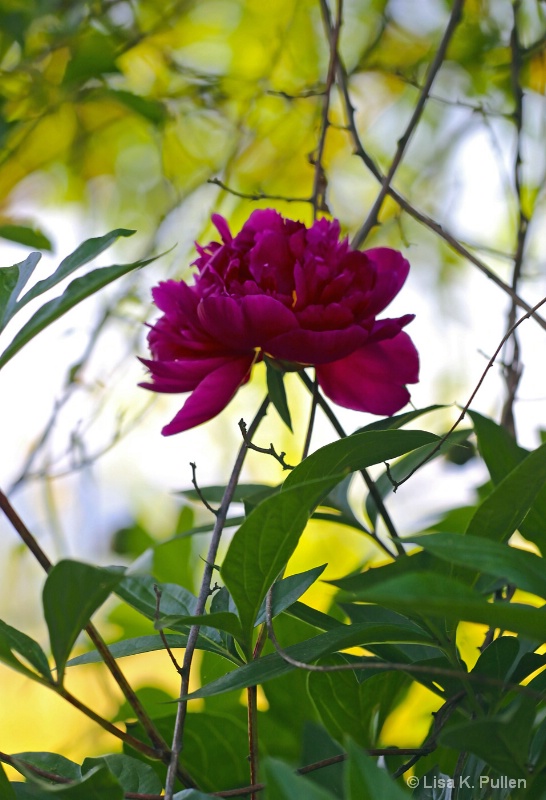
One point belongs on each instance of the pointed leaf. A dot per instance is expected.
(25, 235)
(12, 281)
(132, 647)
(520, 567)
(286, 592)
(78, 290)
(277, 393)
(51, 762)
(72, 593)
(132, 774)
(399, 420)
(86, 252)
(14, 643)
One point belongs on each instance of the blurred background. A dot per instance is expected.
(134, 114)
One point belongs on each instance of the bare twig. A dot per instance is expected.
(258, 195)
(198, 490)
(373, 216)
(170, 653)
(468, 403)
(268, 451)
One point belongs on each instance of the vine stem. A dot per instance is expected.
(203, 596)
(372, 488)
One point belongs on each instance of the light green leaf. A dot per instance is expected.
(72, 593)
(12, 281)
(25, 235)
(78, 290)
(133, 647)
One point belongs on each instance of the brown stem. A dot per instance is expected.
(204, 593)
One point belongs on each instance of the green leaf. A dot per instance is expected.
(192, 794)
(50, 762)
(86, 252)
(399, 420)
(15, 643)
(132, 774)
(78, 290)
(520, 567)
(12, 281)
(501, 741)
(98, 784)
(138, 591)
(221, 620)
(266, 540)
(72, 593)
(339, 638)
(497, 661)
(25, 235)
(364, 780)
(505, 508)
(133, 647)
(6, 789)
(438, 595)
(286, 592)
(283, 784)
(277, 392)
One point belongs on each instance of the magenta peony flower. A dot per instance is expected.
(295, 294)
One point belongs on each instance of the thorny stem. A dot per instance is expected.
(204, 593)
(372, 488)
(161, 750)
(373, 216)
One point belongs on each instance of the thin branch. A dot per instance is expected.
(268, 451)
(198, 490)
(170, 653)
(468, 403)
(204, 593)
(258, 195)
(373, 216)
(311, 424)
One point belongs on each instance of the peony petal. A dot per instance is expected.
(373, 378)
(182, 375)
(211, 396)
(246, 322)
(222, 227)
(392, 270)
(316, 347)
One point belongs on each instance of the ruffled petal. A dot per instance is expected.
(182, 375)
(316, 347)
(211, 395)
(246, 322)
(373, 378)
(392, 270)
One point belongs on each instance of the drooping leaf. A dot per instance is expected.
(277, 393)
(15, 643)
(71, 595)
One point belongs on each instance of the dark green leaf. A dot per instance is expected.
(520, 567)
(283, 784)
(277, 393)
(132, 774)
(72, 593)
(364, 780)
(286, 592)
(435, 595)
(221, 620)
(399, 420)
(15, 643)
(192, 794)
(98, 784)
(50, 762)
(505, 508)
(6, 790)
(25, 235)
(78, 290)
(132, 647)
(340, 638)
